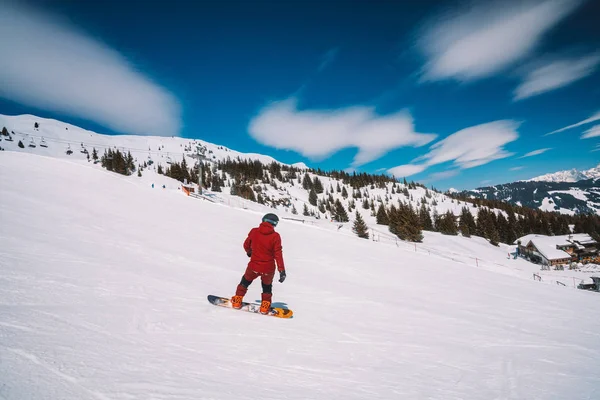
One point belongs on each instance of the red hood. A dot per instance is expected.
(266, 228)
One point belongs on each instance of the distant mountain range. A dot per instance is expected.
(572, 175)
(568, 192)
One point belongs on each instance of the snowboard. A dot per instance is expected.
(250, 307)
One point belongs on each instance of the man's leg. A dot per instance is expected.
(267, 287)
(247, 279)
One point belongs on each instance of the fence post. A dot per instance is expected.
(476, 262)
(415, 247)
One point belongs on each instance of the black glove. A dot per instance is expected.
(249, 253)
(282, 276)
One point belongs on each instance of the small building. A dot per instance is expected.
(188, 189)
(557, 250)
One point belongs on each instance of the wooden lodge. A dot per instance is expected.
(558, 250)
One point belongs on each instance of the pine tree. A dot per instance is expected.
(294, 211)
(305, 212)
(322, 207)
(512, 227)
(467, 224)
(216, 185)
(407, 224)
(365, 204)
(393, 219)
(312, 197)
(382, 216)
(360, 227)
(307, 183)
(317, 185)
(435, 218)
(425, 219)
(448, 224)
(344, 193)
(340, 212)
(503, 229)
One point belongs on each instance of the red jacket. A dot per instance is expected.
(264, 245)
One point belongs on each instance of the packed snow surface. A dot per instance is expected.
(103, 285)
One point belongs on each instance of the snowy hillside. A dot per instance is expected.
(104, 285)
(572, 175)
(60, 137)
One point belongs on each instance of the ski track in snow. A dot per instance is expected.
(103, 289)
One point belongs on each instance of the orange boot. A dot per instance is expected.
(265, 306)
(236, 302)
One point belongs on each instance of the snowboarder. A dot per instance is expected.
(263, 246)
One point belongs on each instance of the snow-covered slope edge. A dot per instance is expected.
(103, 297)
(59, 136)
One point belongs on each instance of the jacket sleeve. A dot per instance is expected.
(248, 242)
(277, 249)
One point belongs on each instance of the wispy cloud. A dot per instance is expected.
(597, 147)
(406, 170)
(485, 181)
(517, 168)
(535, 152)
(593, 118)
(555, 74)
(319, 133)
(467, 148)
(436, 176)
(483, 39)
(594, 131)
(49, 64)
(328, 58)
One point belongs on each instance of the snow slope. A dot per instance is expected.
(103, 286)
(60, 136)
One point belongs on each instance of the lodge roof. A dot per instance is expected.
(547, 245)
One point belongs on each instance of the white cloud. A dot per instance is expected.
(48, 64)
(406, 170)
(517, 168)
(469, 147)
(487, 37)
(591, 119)
(594, 131)
(442, 175)
(535, 152)
(556, 74)
(319, 133)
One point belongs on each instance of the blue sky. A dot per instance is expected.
(449, 93)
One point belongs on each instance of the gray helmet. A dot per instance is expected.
(271, 218)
